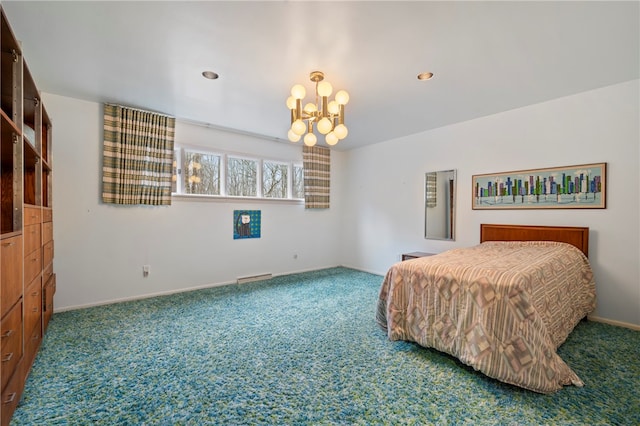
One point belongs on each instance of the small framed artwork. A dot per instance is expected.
(246, 224)
(568, 187)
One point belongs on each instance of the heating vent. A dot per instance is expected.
(244, 280)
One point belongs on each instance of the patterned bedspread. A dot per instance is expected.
(503, 308)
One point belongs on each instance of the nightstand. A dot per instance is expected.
(415, 255)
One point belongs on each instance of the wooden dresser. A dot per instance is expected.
(27, 280)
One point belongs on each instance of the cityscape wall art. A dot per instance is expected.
(569, 187)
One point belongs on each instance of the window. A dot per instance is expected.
(275, 179)
(201, 173)
(174, 175)
(242, 177)
(197, 172)
(298, 181)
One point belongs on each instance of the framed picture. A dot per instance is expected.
(569, 187)
(246, 224)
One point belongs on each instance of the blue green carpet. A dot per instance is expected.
(297, 349)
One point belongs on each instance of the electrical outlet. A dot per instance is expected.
(145, 270)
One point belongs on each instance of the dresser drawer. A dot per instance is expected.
(11, 396)
(33, 307)
(10, 342)
(31, 345)
(47, 253)
(32, 266)
(32, 215)
(49, 290)
(48, 271)
(32, 240)
(47, 232)
(47, 214)
(12, 272)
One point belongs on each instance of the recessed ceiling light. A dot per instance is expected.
(425, 76)
(210, 75)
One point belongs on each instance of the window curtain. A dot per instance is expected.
(430, 188)
(317, 176)
(137, 157)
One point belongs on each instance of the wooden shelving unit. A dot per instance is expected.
(26, 221)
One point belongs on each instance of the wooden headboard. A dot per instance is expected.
(574, 235)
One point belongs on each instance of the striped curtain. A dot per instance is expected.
(138, 156)
(317, 176)
(431, 189)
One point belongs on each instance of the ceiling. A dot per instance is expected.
(487, 57)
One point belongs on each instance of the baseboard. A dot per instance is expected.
(382, 274)
(176, 291)
(254, 278)
(614, 322)
(140, 297)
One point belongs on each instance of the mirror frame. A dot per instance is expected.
(451, 204)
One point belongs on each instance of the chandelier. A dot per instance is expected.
(327, 116)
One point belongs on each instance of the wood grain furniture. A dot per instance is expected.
(415, 255)
(27, 281)
(575, 235)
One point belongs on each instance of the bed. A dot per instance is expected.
(502, 307)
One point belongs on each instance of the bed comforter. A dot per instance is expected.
(501, 307)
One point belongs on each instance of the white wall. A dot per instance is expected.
(375, 216)
(100, 249)
(385, 184)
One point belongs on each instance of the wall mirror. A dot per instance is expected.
(439, 205)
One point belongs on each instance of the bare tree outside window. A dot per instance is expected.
(274, 179)
(221, 174)
(242, 175)
(298, 182)
(201, 173)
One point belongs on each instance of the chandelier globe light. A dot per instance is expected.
(327, 116)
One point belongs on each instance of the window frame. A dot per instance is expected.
(288, 181)
(295, 165)
(179, 156)
(258, 175)
(183, 150)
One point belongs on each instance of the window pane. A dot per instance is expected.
(274, 180)
(298, 182)
(174, 176)
(201, 173)
(242, 177)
